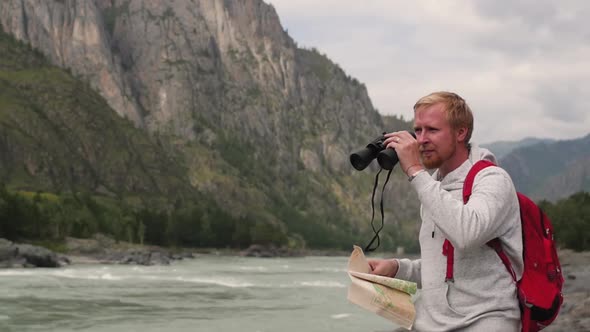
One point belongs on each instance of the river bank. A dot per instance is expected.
(101, 249)
(574, 315)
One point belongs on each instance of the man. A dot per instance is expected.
(483, 294)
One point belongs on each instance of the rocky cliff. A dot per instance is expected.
(183, 67)
(71, 34)
(262, 124)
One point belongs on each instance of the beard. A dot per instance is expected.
(433, 158)
(431, 162)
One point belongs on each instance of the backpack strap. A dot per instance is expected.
(497, 246)
(526, 320)
(449, 250)
(468, 184)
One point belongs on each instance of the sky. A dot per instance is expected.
(522, 65)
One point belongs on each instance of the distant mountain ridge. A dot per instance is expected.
(502, 148)
(548, 169)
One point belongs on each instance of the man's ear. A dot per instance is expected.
(461, 134)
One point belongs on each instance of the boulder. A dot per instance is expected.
(138, 257)
(26, 255)
(257, 250)
(37, 256)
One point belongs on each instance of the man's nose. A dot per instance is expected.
(421, 137)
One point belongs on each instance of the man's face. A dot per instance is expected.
(434, 133)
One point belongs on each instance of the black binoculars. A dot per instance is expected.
(387, 158)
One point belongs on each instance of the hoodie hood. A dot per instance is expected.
(454, 180)
(477, 153)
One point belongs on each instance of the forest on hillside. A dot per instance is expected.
(571, 220)
(50, 218)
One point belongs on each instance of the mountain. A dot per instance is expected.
(191, 100)
(550, 170)
(502, 148)
(58, 134)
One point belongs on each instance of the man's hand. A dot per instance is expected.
(384, 267)
(407, 149)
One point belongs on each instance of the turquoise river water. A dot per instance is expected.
(208, 293)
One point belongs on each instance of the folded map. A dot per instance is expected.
(388, 297)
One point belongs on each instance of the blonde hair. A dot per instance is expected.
(458, 112)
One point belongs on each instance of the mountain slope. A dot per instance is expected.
(58, 134)
(263, 127)
(550, 170)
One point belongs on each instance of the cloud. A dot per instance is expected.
(523, 66)
(557, 104)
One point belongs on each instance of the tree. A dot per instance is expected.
(571, 219)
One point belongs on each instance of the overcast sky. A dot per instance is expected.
(523, 66)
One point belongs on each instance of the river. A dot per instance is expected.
(209, 293)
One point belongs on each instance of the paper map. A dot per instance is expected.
(388, 297)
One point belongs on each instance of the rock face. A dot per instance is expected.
(261, 123)
(185, 66)
(71, 34)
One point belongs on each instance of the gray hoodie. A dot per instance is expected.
(483, 295)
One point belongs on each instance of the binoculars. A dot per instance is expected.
(387, 158)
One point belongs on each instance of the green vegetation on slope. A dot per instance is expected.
(571, 220)
(52, 217)
(91, 171)
(59, 135)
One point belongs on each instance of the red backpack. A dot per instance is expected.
(539, 289)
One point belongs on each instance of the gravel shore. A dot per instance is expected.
(575, 312)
